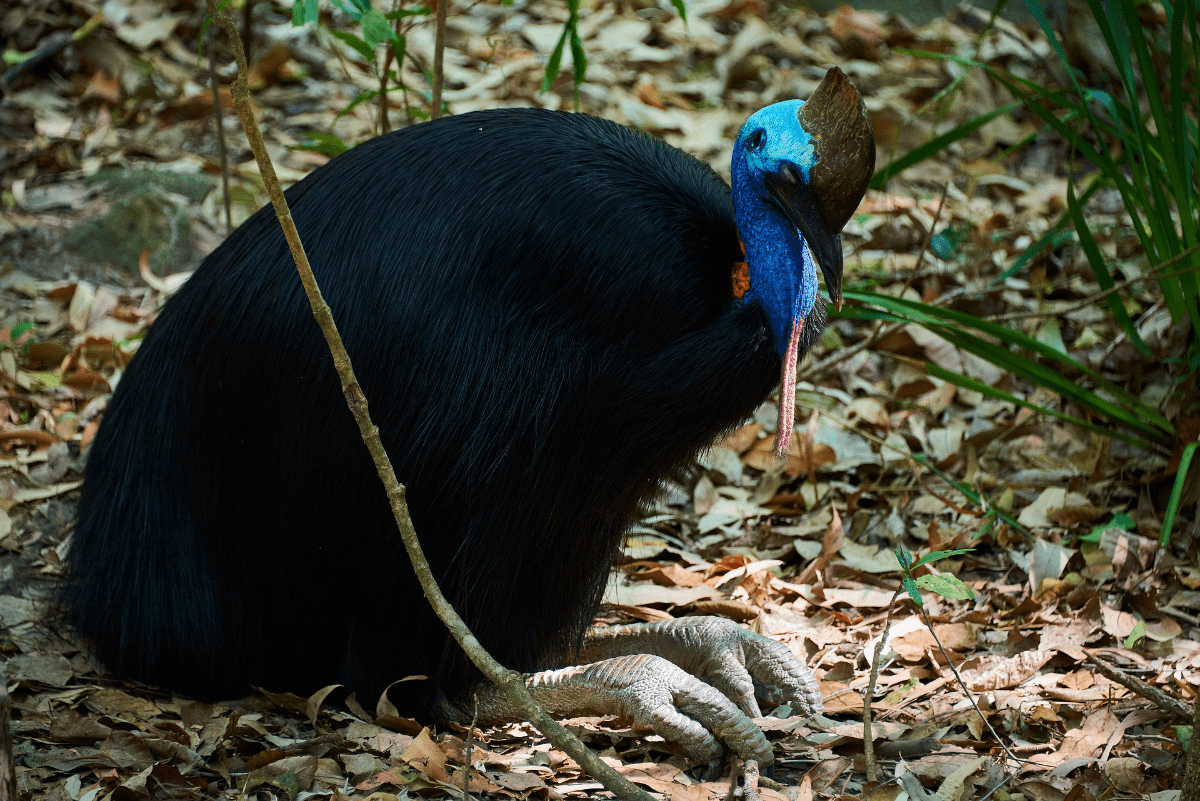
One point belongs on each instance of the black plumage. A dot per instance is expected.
(538, 307)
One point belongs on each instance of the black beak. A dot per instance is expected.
(798, 203)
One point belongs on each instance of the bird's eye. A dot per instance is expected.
(756, 140)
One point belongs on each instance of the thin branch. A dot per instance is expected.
(8, 774)
(511, 682)
(1191, 776)
(466, 790)
(869, 693)
(439, 51)
(961, 683)
(1154, 695)
(219, 114)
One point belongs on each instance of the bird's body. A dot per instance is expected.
(535, 371)
(539, 309)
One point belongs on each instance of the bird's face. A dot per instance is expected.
(774, 156)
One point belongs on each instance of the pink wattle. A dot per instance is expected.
(787, 389)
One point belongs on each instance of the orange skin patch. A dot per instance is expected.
(741, 279)
(741, 275)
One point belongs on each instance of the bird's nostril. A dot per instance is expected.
(788, 173)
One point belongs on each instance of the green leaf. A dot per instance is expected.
(934, 556)
(19, 330)
(904, 558)
(1184, 735)
(1099, 266)
(578, 55)
(1138, 633)
(946, 586)
(1121, 521)
(353, 10)
(946, 242)
(555, 62)
(376, 29)
(911, 588)
(362, 97)
(288, 782)
(415, 11)
(325, 143)
(681, 8)
(356, 43)
(46, 377)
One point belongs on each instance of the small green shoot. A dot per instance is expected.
(1121, 521)
(1137, 635)
(945, 585)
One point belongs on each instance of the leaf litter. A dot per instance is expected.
(1065, 569)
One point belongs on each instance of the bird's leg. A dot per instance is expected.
(742, 664)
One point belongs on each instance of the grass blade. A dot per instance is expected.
(1185, 461)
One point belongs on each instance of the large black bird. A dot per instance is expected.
(549, 314)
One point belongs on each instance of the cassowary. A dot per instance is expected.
(549, 314)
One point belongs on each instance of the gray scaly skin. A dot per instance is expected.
(650, 673)
(738, 662)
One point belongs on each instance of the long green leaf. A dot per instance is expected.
(1185, 461)
(1100, 269)
(953, 322)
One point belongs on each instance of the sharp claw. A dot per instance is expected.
(712, 769)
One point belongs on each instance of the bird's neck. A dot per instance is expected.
(774, 253)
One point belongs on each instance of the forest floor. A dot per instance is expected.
(111, 171)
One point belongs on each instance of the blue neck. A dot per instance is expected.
(782, 272)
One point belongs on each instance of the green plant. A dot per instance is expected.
(1150, 157)
(945, 585)
(1143, 141)
(377, 28)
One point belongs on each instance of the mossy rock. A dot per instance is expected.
(143, 218)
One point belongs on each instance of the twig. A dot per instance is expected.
(509, 681)
(8, 774)
(220, 118)
(1191, 776)
(50, 47)
(735, 770)
(467, 752)
(869, 693)
(439, 51)
(247, 29)
(928, 239)
(961, 683)
(750, 783)
(1154, 695)
(384, 124)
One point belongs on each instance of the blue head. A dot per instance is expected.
(799, 171)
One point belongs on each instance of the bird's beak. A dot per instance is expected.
(795, 199)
